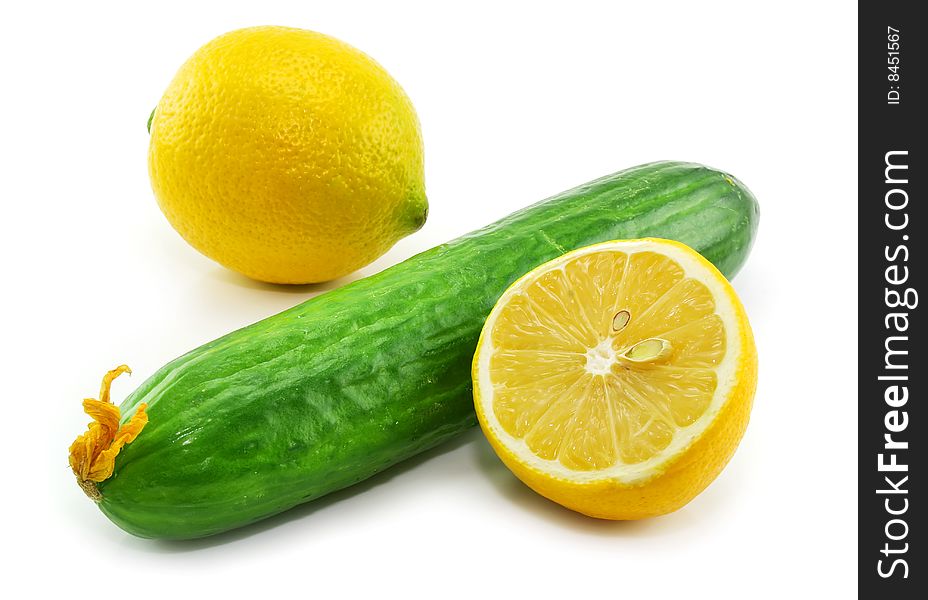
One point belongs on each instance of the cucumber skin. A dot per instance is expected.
(348, 383)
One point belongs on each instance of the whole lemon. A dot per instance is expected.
(287, 155)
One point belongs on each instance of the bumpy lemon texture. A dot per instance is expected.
(287, 155)
(618, 379)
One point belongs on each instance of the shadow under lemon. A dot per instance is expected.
(710, 505)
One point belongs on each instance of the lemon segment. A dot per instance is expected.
(605, 368)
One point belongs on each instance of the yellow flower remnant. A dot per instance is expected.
(93, 453)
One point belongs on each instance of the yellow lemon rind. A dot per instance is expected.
(672, 477)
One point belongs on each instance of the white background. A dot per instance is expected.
(516, 103)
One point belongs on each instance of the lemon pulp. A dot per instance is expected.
(603, 360)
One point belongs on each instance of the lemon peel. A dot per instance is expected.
(617, 380)
(287, 155)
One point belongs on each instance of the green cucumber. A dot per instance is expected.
(332, 391)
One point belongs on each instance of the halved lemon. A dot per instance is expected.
(617, 380)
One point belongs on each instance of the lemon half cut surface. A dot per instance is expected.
(617, 379)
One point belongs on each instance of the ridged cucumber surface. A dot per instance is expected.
(342, 386)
